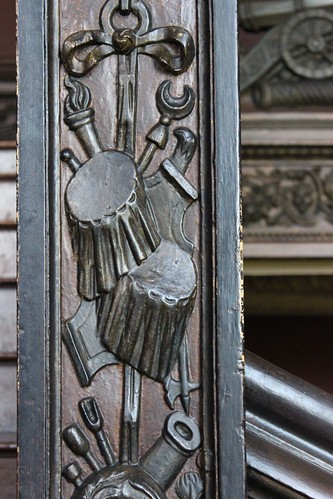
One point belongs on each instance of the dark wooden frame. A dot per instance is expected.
(229, 371)
(39, 250)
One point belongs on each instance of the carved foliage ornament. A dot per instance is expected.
(136, 276)
(286, 197)
(292, 64)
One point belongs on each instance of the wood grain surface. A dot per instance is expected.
(8, 477)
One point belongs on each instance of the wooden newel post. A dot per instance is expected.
(130, 293)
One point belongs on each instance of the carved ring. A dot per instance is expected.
(139, 9)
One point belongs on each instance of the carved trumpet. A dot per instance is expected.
(257, 14)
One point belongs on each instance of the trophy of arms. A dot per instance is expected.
(136, 275)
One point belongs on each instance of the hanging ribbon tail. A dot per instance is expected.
(175, 59)
(76, 45)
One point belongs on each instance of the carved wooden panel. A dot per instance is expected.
(129, 298)
(131, 173)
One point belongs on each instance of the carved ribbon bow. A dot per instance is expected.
(112, 40)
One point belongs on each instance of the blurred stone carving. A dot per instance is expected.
(291, 65)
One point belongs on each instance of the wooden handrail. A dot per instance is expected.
(289, 430)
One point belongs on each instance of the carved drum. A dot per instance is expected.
(113, 226)
(144, 322)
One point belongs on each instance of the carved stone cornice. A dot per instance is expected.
(287, 130)
(286, 160)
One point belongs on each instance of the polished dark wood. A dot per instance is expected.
(38, 291)
(259, 486)
(229, 358)
(220, 408)
(7, 28)
(8, 474)
(289, 430)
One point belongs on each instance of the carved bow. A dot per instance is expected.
(109, 40)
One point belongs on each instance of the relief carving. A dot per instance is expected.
(278, 198)
(135, 271)
(149, 477)
(190, 486)
(291, 64)
(287, 196)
